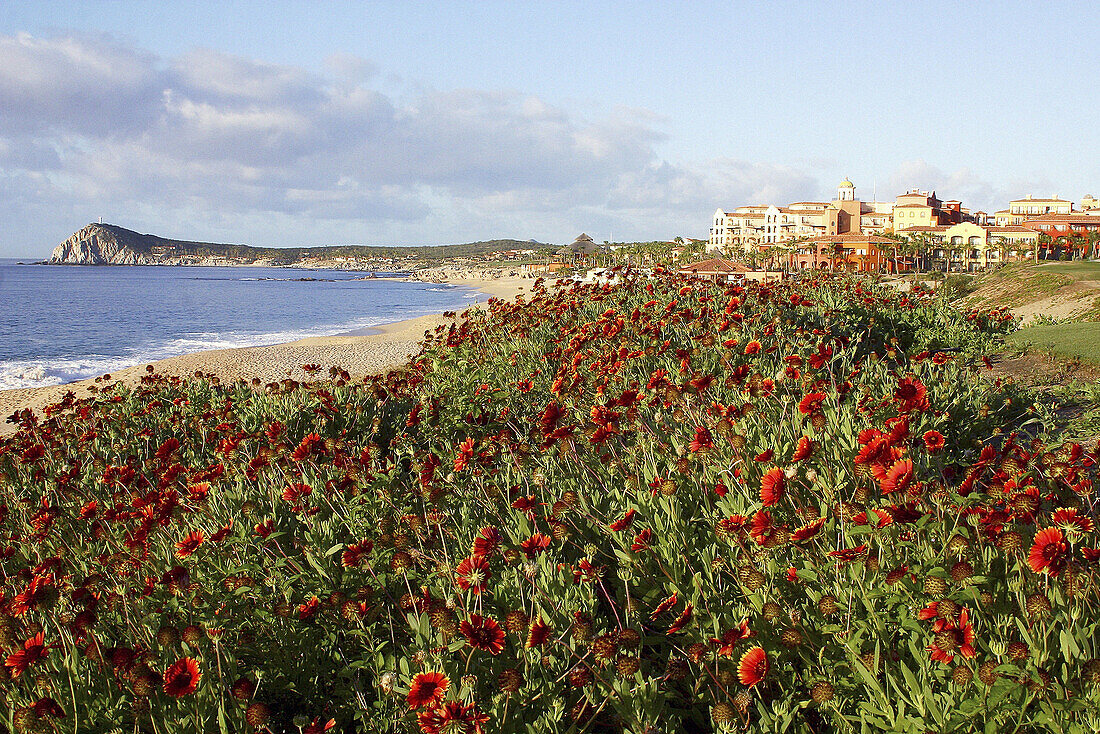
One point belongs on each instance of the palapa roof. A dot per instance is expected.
(583, 245)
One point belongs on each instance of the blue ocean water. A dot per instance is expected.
(64, 323)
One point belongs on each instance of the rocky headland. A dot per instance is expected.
(110, 244)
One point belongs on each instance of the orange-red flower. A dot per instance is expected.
(952, 635)
(753, 667)
(33, 650)
(190, 544)
(182, 677)
(487, 540)
(681, 620)
(472, 574)
(427, 689)
(453, 717)
(911, 395)
(625, 521)
(539, 633)
(772, 487)
(803, 450)
(811, 402)
(933, 441)
(808, 530)
(665, 605)
(483, 633)
(353, 554)
(1048, 552)
(702, 440)
(534, 545)
(898, 478)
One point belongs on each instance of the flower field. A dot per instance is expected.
(660, 506)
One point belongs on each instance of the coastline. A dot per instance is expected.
(382, 348)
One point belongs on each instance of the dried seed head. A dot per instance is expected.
(822, 692)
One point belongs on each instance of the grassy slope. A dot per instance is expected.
(1062, 290)
(1080, 340)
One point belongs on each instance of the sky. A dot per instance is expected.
(307, 123)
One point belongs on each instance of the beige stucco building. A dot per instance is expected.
(1029, 207)
(970, 247)
(748, 227)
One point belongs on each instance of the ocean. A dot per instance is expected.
(64, 323)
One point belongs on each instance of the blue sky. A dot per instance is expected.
(378, 122)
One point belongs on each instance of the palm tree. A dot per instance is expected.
(1092, 241)
(1043, 241)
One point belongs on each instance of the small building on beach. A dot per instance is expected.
(717, 270)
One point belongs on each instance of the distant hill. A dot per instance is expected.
(110, 244)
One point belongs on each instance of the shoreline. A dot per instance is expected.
(374, 350)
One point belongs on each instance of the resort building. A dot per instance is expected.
(1029, 207)
(970, 247)
(754, 226)
(848, 233)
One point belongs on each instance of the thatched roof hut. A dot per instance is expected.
(580, 247)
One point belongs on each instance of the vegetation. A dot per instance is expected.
(658, 506)
(1078, 340)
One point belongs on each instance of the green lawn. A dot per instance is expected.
(1081, 270)
(1080, 339)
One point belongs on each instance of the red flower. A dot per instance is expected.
(811, 403)
(898, 478)
(539, 633)
(753, 347)
(295, 492)
(933, 441)
(772, 487)
(534, 545)
(804, 449)
(959, 638)
(702, 440)
(33, 650)
(308, 608)
(847, 555)
(472, 574)
(664, 606)
(427, 689)
(731, 637)
(911, 395)
(625, 521)
(486, 542)
(32, 596)
(354, 553)
(642, 541)
(764, 456)
(1048, 552)
(483, 633)
(46, 706)
(681, 620)
(453, 717)
(1069, 520)
(753, 667)
(182, 677)
(190, 544)
(808, 530)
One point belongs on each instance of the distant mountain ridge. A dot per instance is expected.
(110, 244)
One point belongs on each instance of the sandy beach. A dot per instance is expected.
(383, 348)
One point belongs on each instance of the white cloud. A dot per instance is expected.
(92, 126)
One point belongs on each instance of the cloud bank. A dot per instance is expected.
(213, 146)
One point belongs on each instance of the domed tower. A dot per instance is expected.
(846, 191)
